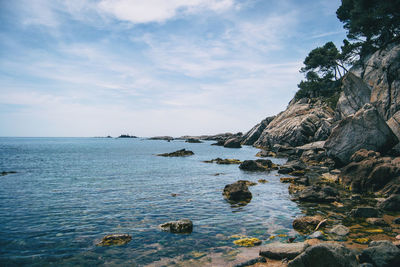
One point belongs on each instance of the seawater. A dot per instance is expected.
(70, 192)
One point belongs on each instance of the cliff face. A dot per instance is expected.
(375, 81)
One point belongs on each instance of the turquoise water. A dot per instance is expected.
(70, 192)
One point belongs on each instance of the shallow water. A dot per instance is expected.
(70, 192)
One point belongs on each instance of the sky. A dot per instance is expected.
(84, 68)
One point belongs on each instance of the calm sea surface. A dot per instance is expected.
(70, 192)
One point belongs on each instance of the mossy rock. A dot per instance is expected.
(248, 242)
(362, 241)
(115, 240)
(262, 181)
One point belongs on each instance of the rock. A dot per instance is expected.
(394, 124)
(363, 154)
(178, 153)
(4, 173)
(377, 221)
(115, 240)
(165, 138)
(248, 242)
(396, 221)
(237, 192)
(303, 121)
(251, 262)
(183, 226)
(257, 165)
(193, 140)
(355, 94)
(232, 143)
(223, 161)
(307, 223)
(340, 230)
(364, 212)
(327, 255)
(246, 182)
(252, 136)
(367, 127)
(318, 194)
(381, 254)
(265, 153)
(317, 235)
(280, 251)
(219, 143)
(391, 204)
(262, 181)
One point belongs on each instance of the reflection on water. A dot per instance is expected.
(70, 192)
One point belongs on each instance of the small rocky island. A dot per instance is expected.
(178, 153)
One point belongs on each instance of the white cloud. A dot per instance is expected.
(139, 11)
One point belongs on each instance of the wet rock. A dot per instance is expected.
(392, 203)
(233, 143)
(178, 153)
(377, 221)
(237, 192)
(251, 262)
(115, 240)
(219, 143)
(265, 153)
(381, 254)
(223, 161)
(280, 251)
(307, 224)
(193, 140)
(317, 235)
(367, 127)
(262, 181)
(364, 212)
(248, 242)
(327, 255)
(4, 173)
(319, 194)
(257, 165)
(340, 230)
(183, 226)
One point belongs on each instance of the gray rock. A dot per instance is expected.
(178, 153)
(377, 221)
(232, 143)
(183, 226)
(364, 212)
(355, 94)
(394, 124)
(307, 224)
(381, 254)
(340, 230)
(327, 255)
(279, 251)
(252, 136)
(318, 194)
(317, 235)
(392, 203)
(367, 127)
(237, 192)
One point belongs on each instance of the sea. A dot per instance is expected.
(68, 193)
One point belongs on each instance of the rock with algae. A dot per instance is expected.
(115, 240)
(247, 242)
(178, 153)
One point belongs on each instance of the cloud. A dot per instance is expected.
(139, 11)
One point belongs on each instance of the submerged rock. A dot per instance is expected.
(178, 153)
(248, 242)
(193, 140)
(4, 173)
(115, 240)
(223, 161)
(381, 254)
(307, 224)
(183, 226)
(327, 255)
(280, 251)
(237, 192)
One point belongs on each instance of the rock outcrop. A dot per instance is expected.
(183, 226)
(364, 130)
(233, 143)
(178, 153)
(252, 136)
(237, 192)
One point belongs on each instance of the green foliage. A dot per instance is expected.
(370, 23)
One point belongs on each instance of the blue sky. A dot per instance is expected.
(153, 67)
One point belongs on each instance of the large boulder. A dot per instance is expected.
(381, 254)
(364, 130)
(302, 122)
(183, 226)
(237, 192)
(327, 255)
(257, 165)
(233, 143)
(364, 212)
(252, 136)
(280, 251)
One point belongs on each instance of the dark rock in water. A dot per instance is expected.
(392, 203)
(6, 173)
(307, 224)
(280, 251)
(381, 254)
(318, 194)
(367, 127)
(115, 240)
(127, 136)
(252, 136)
(193, 140)
(237, 192)
(326, 255)
(165, 138)
(251, 262)
(183, 226)
(257, 165)
(232, 143)
(364, 212)
(178, 153)
(223, 161)
(219, 143)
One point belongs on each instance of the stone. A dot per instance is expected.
(363, 154)
(317, 235)
(327, 255)
(251, 262)
(237, 192)
(115, 240)
(232, 143)
(340, 230)
(183, 226)
(377, 221)
(396, 221)
(165, 138)
(381, 254)
(307, 224)
(223, 161)
(4, 173)
(193, 140)
(392, 203)
(252, 136)
(178, 153)
(257, 165)
(364, 212)
(280, 251)
(315, 193)
(248, 242)
(367, 127)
